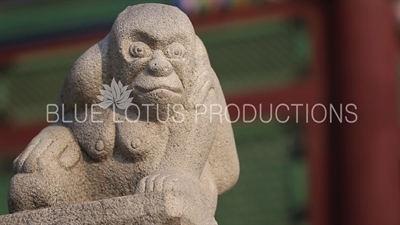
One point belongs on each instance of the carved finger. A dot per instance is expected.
(59, 154)
(31, 163)
(203, 85)
(170, 183)
(200, 93)
(70, 156)
(203, 93)
(159, 184)
(141, 187)
(150, 182)
(19, 161)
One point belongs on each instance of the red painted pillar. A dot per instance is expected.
(367, 151)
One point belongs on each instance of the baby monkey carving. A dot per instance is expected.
(154, 50)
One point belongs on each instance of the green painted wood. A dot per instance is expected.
(59, 16)
(262, 55)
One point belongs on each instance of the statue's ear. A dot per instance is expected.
(201, 52)
(85, 79)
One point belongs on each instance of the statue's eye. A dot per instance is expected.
(139, 50)
(175, 51)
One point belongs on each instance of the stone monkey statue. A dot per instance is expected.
(154, 50)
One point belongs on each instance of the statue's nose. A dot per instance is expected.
(159, 65)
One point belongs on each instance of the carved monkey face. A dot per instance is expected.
(155, 57)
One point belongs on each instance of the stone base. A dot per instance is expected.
(148, 208)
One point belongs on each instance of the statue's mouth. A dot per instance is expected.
(158, 88)
(146, 83)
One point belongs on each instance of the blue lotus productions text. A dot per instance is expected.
(232, 113)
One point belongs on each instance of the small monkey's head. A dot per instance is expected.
(152, 48)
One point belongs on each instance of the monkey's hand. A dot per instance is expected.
(53, 147)
(165, 181)
(202, 86)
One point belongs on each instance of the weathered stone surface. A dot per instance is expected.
(129, 138)
(147, 208)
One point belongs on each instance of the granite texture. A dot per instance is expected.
(146, 208)
(144, 147)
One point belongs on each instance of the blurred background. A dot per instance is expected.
(264, 52)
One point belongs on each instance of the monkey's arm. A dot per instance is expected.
(189, 144)
(84, 81)
(79, 92)
(191, 141)
(185, 156)
(56, 140)
(191, 150)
